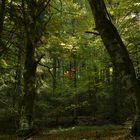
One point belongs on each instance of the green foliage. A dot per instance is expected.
(83, 74)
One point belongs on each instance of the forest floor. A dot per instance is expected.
(105, 132)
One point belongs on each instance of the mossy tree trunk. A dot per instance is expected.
(29, 74)
(118, 53)
(26, 121)
(32, 24)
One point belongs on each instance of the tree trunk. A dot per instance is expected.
(118, 53)
(34, 23)
(54, 74)
(19, 81)
(117, 98)
(2, 16)
(26, 120)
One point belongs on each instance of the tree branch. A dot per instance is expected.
(90, 32)
(47, 68)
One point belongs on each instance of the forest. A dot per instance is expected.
(69, 70)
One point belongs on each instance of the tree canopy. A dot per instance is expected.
(70, 62)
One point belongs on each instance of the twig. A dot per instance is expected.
(10, 108)
(90, 32)
(48, 69)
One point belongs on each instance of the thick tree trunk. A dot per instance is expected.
(118, 53)
(117, 98)
(26, 120)
(33, 19)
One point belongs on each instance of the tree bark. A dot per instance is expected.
(2, 16)
(29, 75)
(54, 74)
(19, 81)
(117, 98)
(26, 120)
(118, 53)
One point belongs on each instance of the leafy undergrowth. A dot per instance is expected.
(106, 132)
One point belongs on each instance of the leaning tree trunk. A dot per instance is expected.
(118, 53)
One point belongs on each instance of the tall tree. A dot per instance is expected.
(2, 16)
(118, 53)
(33, 13)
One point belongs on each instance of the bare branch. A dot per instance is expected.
(46, 5)
(39, 59)
(90, 32)
(47, 68)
